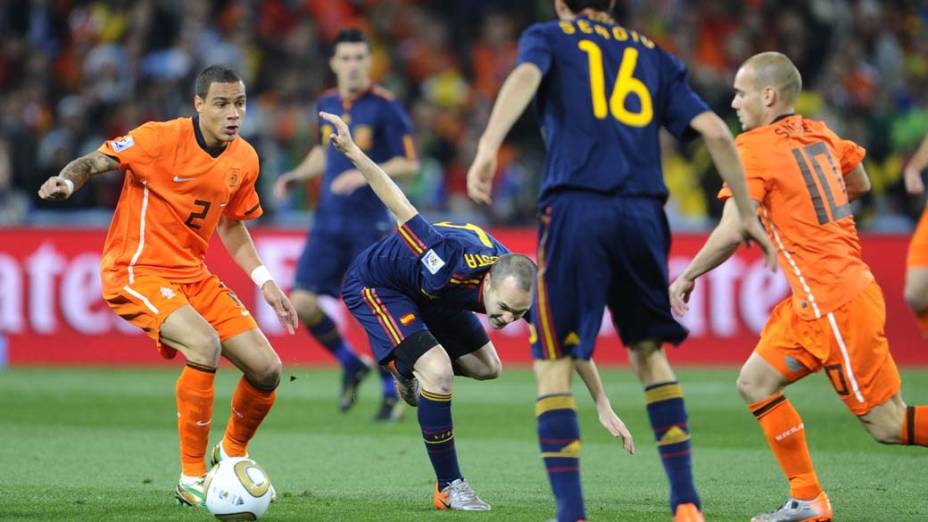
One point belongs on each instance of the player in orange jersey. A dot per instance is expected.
(184, 179)
(916, 274)
(803, 177)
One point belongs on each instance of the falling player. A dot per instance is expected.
(415, 292)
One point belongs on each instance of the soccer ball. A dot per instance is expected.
(237, 489)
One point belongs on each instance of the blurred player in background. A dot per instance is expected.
(803, 176)
(916, 275)
(349, 217)
(184, 179)
(603, 93)
(416, 292)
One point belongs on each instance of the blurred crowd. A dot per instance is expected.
(73, 73)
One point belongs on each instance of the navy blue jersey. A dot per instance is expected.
(441, 264)
(605, 93)
(382, 129)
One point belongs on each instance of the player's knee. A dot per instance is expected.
(266, 374)
(489, 371)
(750, 390)
(916, 296)
(885, 432)
(306, 305)
(437, 378)
(203, 347)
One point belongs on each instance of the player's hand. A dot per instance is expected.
(341, 138)
(278, 300)
(284, 184)
(348, 181)
(913, 181)
(480, 177)
(55, 189)
(680, 291)
(752, 232)
(615, 426)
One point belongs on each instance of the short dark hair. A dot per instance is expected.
(350, 35)
(214, 74)
(576, 6)
(518, 266)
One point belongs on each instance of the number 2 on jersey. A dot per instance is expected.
(197, 215)
(625, 84)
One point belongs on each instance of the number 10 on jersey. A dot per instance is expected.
(625, 84)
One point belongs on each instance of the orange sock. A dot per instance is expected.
(194, 414)
(787, 438)
(249, 407)
(915, 426)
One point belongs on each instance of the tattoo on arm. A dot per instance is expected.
(87, 166)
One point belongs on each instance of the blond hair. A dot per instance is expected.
(773, 69)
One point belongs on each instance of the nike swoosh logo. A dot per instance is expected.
(204, 423)
(178, 179)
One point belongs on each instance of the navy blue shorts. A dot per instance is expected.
(389, 317)
(596, 251)
(327, 255)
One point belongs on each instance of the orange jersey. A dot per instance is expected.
(172, 198)
(795, 169)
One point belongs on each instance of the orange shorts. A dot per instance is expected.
(918, 246)
(848, 343)
(150, 299)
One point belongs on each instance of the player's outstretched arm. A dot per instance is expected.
(724, 154)
(75, 174)
(722, 243)
(352, 179)
(518, 89)
(237, 241)
(312, 165)
(385, 188)
(607, 417)
(913, 170)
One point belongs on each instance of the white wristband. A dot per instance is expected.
(70, 185)
(261, 275)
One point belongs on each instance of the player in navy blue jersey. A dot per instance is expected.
(416, 293)
(349, 217)
(603, 92)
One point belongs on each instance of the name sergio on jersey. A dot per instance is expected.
(582, 26)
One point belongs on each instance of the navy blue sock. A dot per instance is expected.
(434, 413)
(325, 331)
(668, 420)
(387, 383)
(559, 438)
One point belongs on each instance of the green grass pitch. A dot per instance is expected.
(101, 444)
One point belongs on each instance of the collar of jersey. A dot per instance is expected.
(201, 141)
(348, 102)
(783, 117)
